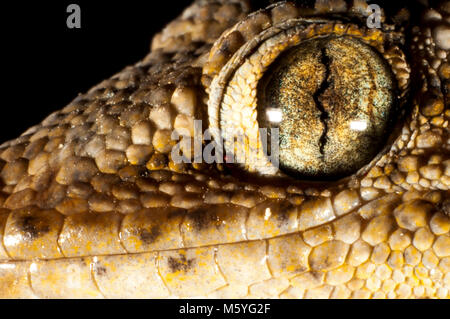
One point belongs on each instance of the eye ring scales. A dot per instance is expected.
(244, 94)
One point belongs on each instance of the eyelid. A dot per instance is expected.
(232, 90)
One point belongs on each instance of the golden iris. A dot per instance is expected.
(332, 99)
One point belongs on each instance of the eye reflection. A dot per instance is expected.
(274, 115)
(358, 125)
(333, 102)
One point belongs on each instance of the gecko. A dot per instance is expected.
(95, 204)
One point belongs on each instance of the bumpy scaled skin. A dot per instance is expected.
(93, 206)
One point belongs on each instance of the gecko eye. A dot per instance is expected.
(327, 96)
(333, 100)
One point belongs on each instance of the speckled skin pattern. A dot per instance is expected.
(92, 205)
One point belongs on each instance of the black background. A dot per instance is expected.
(44, 65)
(279, 309)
